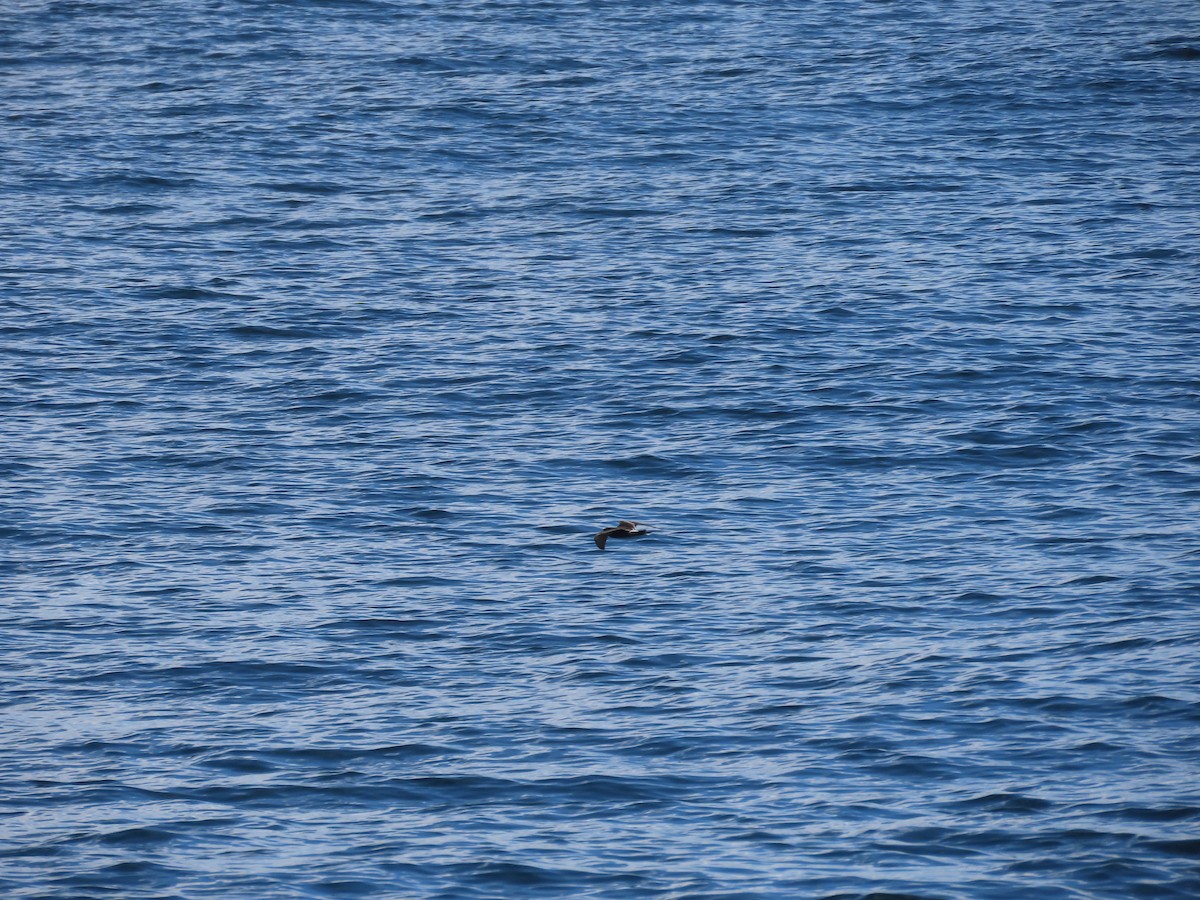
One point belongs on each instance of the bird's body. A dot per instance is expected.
(623, 530)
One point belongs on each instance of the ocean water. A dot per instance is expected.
(332, 331)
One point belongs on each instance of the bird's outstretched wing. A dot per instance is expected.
(601, 539)
(627, 526)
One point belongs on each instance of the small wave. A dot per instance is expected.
(1152, 253)
(431, 514)
(1156, 813)
(1005, 802)
(647, 465)
(141, 837)
(144, 181)
(272, 332)
(1182, 49)
(183, 292)
(304, 187)
(1185, 847)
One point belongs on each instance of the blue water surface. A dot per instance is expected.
(333, 329)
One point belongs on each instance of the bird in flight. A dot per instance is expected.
(623, 530)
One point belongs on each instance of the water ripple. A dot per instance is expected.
(332, 331)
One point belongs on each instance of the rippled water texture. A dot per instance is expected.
(333, 330)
